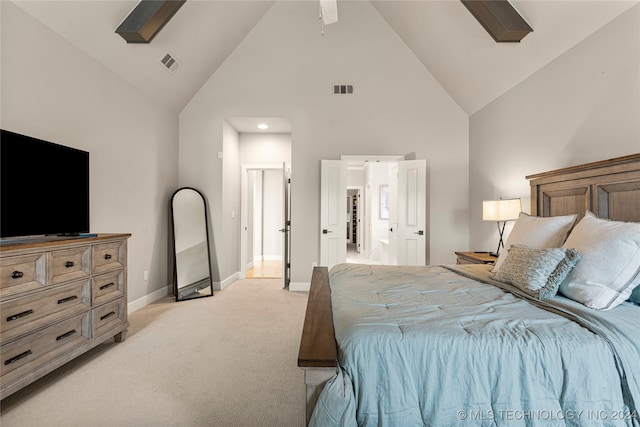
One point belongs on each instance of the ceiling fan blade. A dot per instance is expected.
(329, 10)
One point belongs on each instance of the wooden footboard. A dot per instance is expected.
(318, 354)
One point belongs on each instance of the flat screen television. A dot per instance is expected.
(44, 187)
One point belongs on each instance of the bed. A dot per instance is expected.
(535, 340)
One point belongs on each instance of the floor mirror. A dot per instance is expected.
(192, 261)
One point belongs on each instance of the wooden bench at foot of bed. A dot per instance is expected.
(318, 354)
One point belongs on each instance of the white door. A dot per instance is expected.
(333, 212)
(393, 214)
(412, 197)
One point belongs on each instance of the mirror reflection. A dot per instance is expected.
(192, 268)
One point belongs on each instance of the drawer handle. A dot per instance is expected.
(106, 316)
(17, 274)
(108, 285)
(69, 264)
(19, 315)
(18, 357)
(67, 299)
(68, 334)
(107, 256)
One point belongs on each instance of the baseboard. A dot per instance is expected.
(226, 282)
(299, 286)
(148, 299)
(168, 290)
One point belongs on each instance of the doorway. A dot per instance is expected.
(265, 251)
(393, 204)
(264, 159)
(355, 216)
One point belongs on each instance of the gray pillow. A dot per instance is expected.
(537, 272)
(635, 296)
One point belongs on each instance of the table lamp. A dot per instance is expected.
(501, 211)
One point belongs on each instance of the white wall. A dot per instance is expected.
(265, 148)
(229, 207)
(54, 91)
(286, 68)
(582, 107)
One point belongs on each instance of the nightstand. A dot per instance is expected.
(475, 258)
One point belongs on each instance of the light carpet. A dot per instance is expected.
(229, 360)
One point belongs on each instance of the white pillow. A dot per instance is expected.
(610, 266)
(538, 233)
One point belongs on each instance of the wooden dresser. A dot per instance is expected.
(59, 297)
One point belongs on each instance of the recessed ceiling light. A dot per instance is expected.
(263, 126)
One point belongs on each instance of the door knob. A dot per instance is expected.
(325, 231)
(419, 232)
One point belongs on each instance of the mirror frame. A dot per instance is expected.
(173, 238)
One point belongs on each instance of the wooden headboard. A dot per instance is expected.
(609, 189)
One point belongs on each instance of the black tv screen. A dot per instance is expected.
(44, 187)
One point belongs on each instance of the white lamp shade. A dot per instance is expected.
(501, 210)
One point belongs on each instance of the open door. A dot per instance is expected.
(333, 212)
(393, 214)
(411, 219)
(286, 229)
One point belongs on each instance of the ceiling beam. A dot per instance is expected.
(499, 18)
(147, 19)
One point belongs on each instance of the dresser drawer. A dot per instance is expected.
(107, 287)
(21, 274)
(108, 316)
(69, 264)
(28, 313)
(109, 256)
(25, 354)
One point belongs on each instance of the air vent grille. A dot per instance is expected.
(342, 89)
(170, 63)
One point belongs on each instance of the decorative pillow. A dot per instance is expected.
(538, 232)
(537, 272)
(610, 265)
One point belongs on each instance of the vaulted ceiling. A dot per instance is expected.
(443, 35)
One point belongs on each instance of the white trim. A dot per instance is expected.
(226, 282)
(299, 286)
(148, 299)
(265, 166)
(365, 158)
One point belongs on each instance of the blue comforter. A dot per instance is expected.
(427, 346)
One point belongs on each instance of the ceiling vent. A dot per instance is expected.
(343, 89)
(147, 19)
(170, 63)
